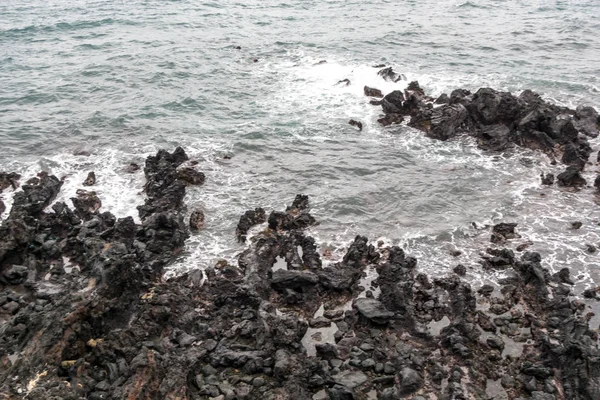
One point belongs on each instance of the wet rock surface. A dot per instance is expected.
(85, 312)
(498, 120)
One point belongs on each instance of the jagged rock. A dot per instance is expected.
(90, 180)
(443, 99)
(86, 204)
(36, 195)
(9, 179)
(190, 176)
(247, 221)
(372, 92)
(389, 75)
(504, 231)
(357, 124)
(414, 88)
(350, 379)
(393, 103)
(132, 167)
(445, 121)
(14, 275)
(391, 119)
(295, 217)
(571, 178)
(587, 121)
(293, 279)
(373, 310)
(410, 380)
(547, 179)
(197, 220)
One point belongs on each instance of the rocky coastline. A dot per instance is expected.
(85, 312)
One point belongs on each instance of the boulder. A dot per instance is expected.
(571, 178)
(87, 204)
(293, 279)
(445, 121)
(197, 220)
(504, 231)
(190, 176)
(390, 75)
(587, 121)
(547, 179)
(392, 103)
(247, 221)
(90, 180)
(9, 179)
(357, 124)
(14, 275)
(372, 92)
(373, 309)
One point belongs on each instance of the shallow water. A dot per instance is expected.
(122, 79)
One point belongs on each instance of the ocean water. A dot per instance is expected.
(121, 79)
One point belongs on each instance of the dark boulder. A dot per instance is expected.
(190, 176)
(248, 220)
(163, 188)
(391, 119)
(37, 194)
(197, 220)
(587, 121)
(14, 275)
(390, 75)
(356, 123)
(282, 279)
(86, 204)
(547, 179)
(504, 231)
(374, 310)
(494, 137)
(571, 178)
(460, 96)
(372, 92)
(90, 180)
(443, 99)
(410, 380)
(295, 217)
(9, 179)
(414, 88)
(393, 102)
(489, 107)
(444, 121)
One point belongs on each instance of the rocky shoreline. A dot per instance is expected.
(498, 121)
(85, 312)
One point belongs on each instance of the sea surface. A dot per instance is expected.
(242, 86)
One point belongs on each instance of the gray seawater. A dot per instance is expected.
(121, 79)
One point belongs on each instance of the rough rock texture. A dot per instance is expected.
(372, 92)
(498, 120)
(86, 314)
(248, 220)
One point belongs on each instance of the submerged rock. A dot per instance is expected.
(90, 180)
(197, 220)
(503, 232)
(372, 92)
(357, 124)
(390, 75)
(571, 178)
